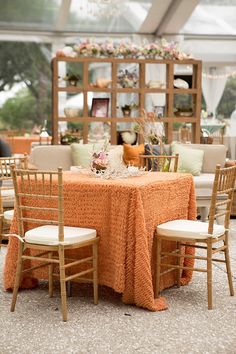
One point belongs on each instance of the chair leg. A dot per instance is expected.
(228, 269)
(61, 252)
(158, 267)
(209, 274)
(95, 273)
(18, 275)
(50, 276)
(69, 288)
(179, 264)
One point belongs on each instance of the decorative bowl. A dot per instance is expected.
(185, 114)
(156, 84)
(180, 83)
(71, 112)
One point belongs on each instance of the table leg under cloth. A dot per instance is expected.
(125, 217)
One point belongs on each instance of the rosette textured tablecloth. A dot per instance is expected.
(125, 213)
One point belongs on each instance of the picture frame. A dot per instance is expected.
(159, 111)
(100, 107)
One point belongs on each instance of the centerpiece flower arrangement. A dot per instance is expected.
(127, 108)
(108, 48)
(104, 166)
(99, 159)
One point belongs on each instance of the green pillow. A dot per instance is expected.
(82, 153)
(190, 160)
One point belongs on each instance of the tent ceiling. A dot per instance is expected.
(63, 21)
(157, 17)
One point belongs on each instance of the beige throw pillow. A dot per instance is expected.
(190, 160)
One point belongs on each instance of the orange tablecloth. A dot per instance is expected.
(124, 213)
(22, 144)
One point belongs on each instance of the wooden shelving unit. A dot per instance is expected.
(142, 89)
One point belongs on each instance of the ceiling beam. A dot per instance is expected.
(155, 16)
(176, 16)
(63, 15)
(17, 35)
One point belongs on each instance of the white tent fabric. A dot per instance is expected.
(213, 85)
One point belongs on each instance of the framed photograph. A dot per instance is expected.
(159, 111)
(100, 107)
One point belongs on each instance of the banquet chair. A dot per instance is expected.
(7, 195)
(161, 163)
(189, 233)
(39, 200)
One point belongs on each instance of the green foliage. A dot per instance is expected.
(28, 63)
(37, 11)
(74, 69)
(228, 100)
(177, 125)
(19, 111)
(23, 62)
(183, 101)
(74, 126)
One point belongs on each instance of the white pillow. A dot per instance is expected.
(82, 153)
(115, 156)
(190, 160)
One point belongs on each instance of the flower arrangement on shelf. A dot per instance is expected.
(87, 48)
(127, 108)
(183, 111)
(127, 79)
(72, 79)
(68, 138)
(151, 50)
(156, 50)
(151, 129)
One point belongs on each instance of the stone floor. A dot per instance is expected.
(112, 327)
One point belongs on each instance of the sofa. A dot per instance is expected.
(49, 157)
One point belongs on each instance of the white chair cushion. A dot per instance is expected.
(8, 214)
(203, 193)
(48, 235)
(7, 193)
(8, 198)
(204, 181)
(188, 229)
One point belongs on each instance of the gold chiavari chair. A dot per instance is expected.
(39, 200)
(189, 233)
(7, 194)
(161, 163)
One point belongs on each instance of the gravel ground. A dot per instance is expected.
(112, 327)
